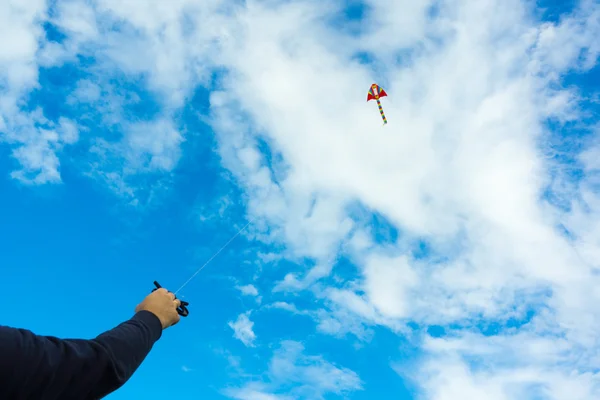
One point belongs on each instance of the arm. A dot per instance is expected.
(40, 367)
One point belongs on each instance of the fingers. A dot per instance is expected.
(175, 300)
(166, 292)
(176, 317)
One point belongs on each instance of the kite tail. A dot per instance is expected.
(381, 112)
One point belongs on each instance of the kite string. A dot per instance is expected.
(212, 258)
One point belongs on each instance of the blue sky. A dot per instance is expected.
(449, 255)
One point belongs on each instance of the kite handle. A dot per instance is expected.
(182, 309)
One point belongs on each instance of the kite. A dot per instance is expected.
(375, 93)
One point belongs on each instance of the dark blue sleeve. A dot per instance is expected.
(48, 368)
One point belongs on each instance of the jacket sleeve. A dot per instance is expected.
(45, 367)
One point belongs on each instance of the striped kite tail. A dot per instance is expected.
(381, 112)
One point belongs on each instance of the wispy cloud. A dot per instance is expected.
(39, 145)
(309, 376)
(36, 141)
(242, 329)
(248, 290)
(522, 365)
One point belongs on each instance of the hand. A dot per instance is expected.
(163, 304)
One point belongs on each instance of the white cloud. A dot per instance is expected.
(523, 365)
(242, 329)
(21, 22)
(148, 144)
(248, 290)
(315, 375)
(344, 313)
(36, 141)
(309, 376)
(386, 283)
(444, 173)
(254, 391)
(147, 152)
(40, 141)
(458, 165)
(153, 146)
